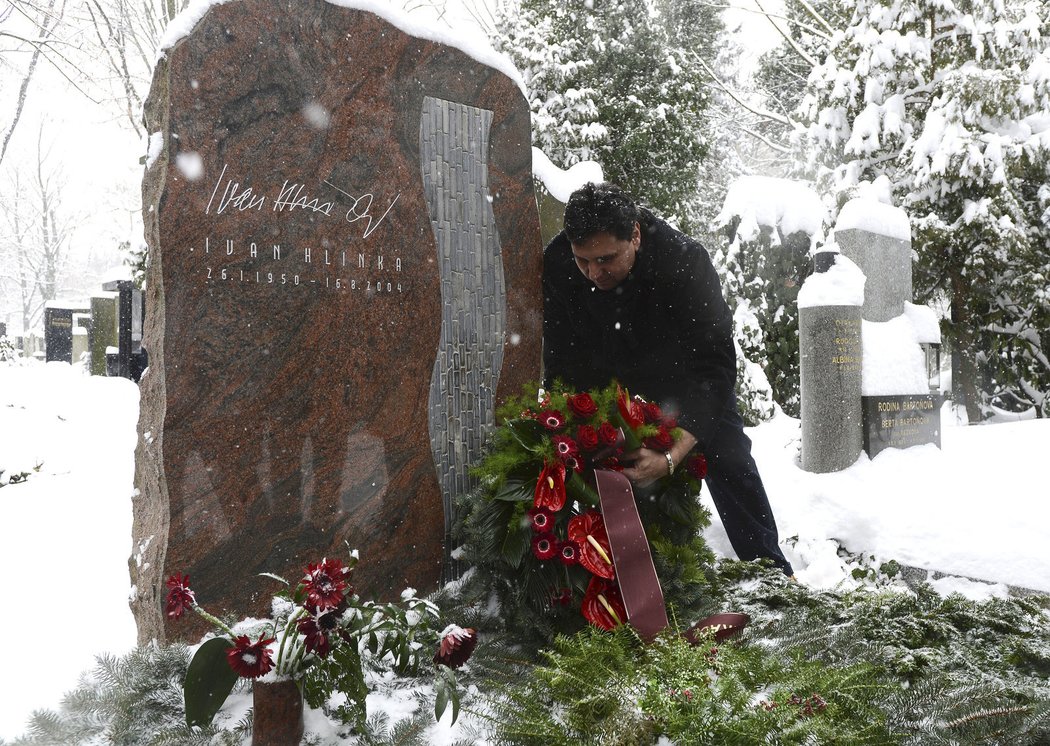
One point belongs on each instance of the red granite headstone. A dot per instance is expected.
(344, 275)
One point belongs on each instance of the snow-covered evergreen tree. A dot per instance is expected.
(951, 101)
(621, 83)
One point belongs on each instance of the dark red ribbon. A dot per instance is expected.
(635, 572)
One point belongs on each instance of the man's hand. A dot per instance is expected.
(650, 465)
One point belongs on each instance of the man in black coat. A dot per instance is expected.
(626, 296)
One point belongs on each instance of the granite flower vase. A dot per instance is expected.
(278, 713)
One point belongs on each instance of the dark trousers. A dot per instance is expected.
(738, 494)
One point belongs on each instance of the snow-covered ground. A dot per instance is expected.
(977, 509)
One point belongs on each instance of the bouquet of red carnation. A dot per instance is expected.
(542, 514)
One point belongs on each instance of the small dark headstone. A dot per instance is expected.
(900, 421)
(58, 331)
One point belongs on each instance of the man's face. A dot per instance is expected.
(606, 260)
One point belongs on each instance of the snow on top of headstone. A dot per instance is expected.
(67, 304)
(893, 361)
(765, 201)
(873, 216)
(879, 190)
(117, 274)
(924, 321)
(560, 183)
(841, 285)
(470, 41)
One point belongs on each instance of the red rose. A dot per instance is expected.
(552, 419)
(651, 411)
(608, 434)
(587, 437)
(180, 597)
(582, 405)
(544, 545)
(662, 441)
(542, 519)
(697, 466)
(250, 659)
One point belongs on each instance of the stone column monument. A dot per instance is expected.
(831, 363)
(344, 279)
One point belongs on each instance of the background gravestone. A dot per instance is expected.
(886, 263)
(831, 364)
(344, 277)
(103, 330)
(58, 330)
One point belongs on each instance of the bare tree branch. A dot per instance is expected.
(769, 143)
(764, 113)
(787, 37)
(817, 16)
(22, 91)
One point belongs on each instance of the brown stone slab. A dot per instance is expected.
(285, 411)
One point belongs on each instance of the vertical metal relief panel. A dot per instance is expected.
(454, 143)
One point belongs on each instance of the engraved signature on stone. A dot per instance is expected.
(353, 214)
(292, 196)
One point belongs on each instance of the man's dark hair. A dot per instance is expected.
(600, 208)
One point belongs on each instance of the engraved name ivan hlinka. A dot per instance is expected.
(342, 268)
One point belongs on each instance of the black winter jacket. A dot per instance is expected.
(665, 332)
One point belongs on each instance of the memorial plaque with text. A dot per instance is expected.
(900, 421)
(344, 278)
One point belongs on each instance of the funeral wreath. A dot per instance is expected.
(535, 527)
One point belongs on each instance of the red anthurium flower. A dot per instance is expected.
(568, 553)
(456, 646)
(562, 597)
(316, 638)
(662, 441)
(325, 583)
(630, 410)
(592, 540)
(582, 405)
(550, 487)
(542, 519)
(697, 466)
(602, 604)
(552, 419)
(544, 545)
(180, 597)
(250, 659)
(565, 446)
(587, 437)
(608, 434)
